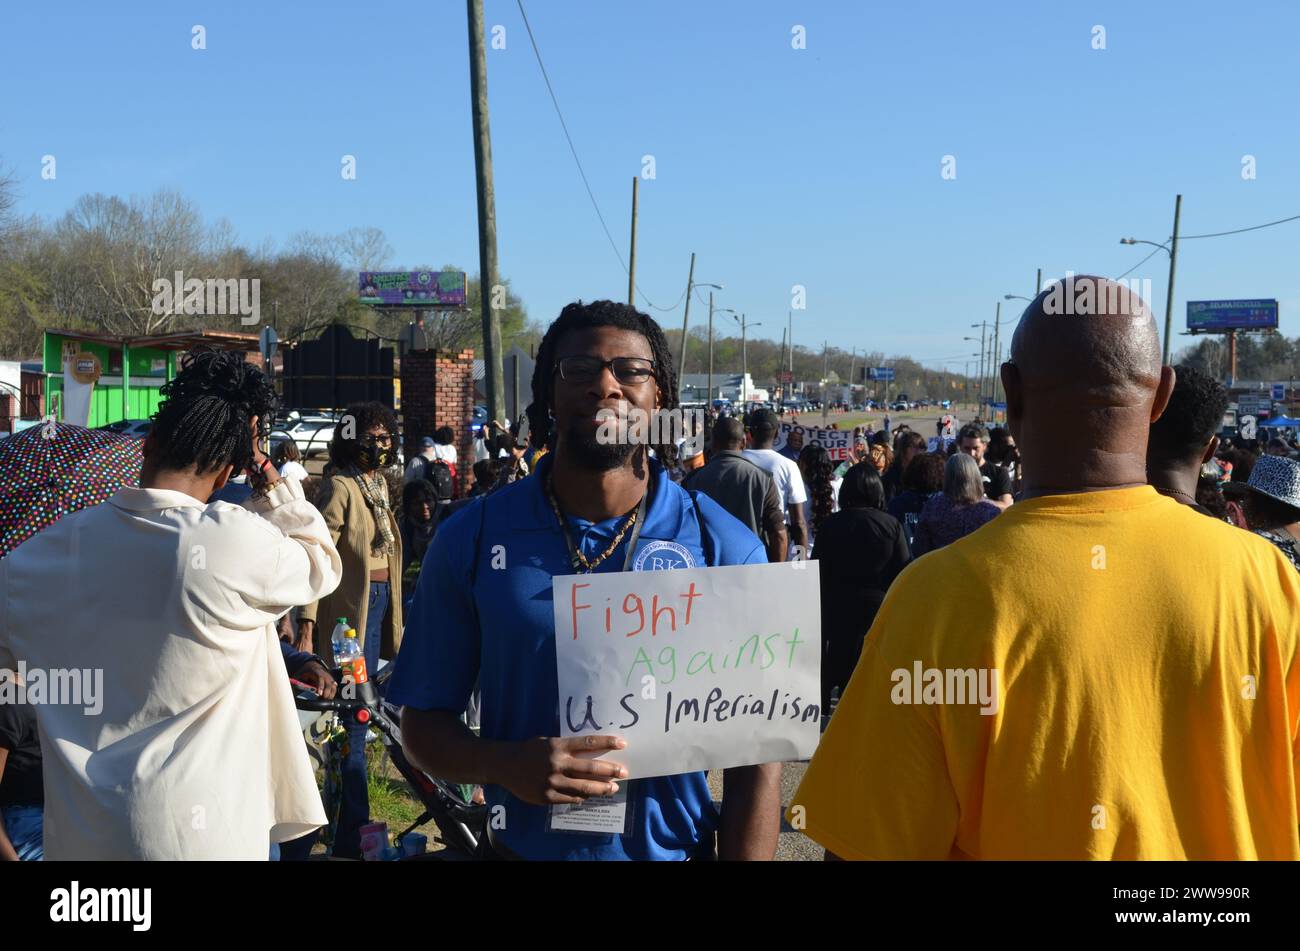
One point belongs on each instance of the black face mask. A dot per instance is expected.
(376, 457)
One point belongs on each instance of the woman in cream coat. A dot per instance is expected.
(355, 503)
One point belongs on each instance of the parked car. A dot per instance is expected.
(312, 435)
(130, 427)
(900, 406)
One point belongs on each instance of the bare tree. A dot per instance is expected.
(8, 201)
(364, 249)
(124, 247)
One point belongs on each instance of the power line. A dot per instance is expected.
(577, 161)
(1142, 262)
(1219, 234)
(1212, 234)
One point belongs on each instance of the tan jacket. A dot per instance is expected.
(352, 528)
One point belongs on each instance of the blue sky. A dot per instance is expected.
(777, 166)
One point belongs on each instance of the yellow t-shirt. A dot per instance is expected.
(1147, 701)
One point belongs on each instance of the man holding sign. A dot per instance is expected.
(484, 611)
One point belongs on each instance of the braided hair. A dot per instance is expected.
(601, 313)
(203, 421)
(816, 463)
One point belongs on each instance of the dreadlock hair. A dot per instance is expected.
(600, 313)
(203, 421)
(815, 462)
(345, 452)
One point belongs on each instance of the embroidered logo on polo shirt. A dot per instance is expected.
(664, 556)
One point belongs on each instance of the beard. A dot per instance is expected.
(590, 453)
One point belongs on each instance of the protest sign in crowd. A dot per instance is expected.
(1074, 637)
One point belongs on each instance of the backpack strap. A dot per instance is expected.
(478, 548)
(706, 540)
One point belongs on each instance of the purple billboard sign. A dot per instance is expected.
(413, 288)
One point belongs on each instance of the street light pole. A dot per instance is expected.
(708, 402)
(744, 363)
(690, 279)
(1173, 261)
(744, 357)
(997, 349)
(1172, 251)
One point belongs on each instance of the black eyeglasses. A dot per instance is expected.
(370, 439)
(629, 370)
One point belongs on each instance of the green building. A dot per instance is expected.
(132, 369)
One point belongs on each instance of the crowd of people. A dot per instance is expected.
(1124, 583)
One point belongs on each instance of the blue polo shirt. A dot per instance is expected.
(501, 630)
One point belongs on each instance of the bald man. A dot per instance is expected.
(1098, 673)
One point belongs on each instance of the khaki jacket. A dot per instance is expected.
(352, 528)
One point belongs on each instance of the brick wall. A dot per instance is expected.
(437, 391)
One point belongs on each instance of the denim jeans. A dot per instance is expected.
(24, 825)
(354, 811)
(295, 850)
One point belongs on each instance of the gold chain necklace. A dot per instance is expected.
(577, 558)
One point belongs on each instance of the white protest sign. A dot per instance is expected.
(697, 668)
(836, 442)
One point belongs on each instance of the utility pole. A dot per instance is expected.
(1038, 283)
(690, 281)
(980, 392)
(744, 363)
(631, 263)
(997, 349)
(487, 215)
(789, 316)
(780, 369)
(1173, 261)
(709, 403)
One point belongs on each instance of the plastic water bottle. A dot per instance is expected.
(336, 638)
(351, 658)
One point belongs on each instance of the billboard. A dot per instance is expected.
(412, 288)
(1208, 315)
(880, 373)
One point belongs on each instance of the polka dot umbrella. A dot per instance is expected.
(52, 469)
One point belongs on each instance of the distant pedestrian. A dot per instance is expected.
(922, 479)
(860, 550)
(287, 460)
(1272, 504)
(742, 487)
(821, 487)
(955, 512)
